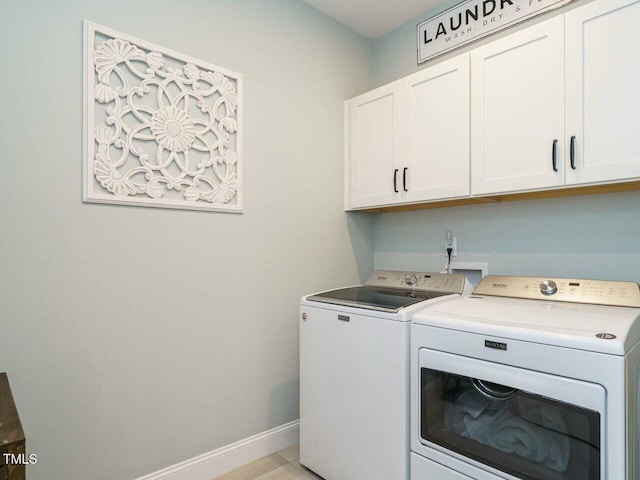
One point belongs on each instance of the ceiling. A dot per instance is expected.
(373, 18)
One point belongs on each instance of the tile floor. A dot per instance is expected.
(283, 465)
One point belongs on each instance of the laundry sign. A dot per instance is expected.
(474, 19)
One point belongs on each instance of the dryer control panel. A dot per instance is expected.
(594, 292)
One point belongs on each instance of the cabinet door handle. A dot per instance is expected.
(395, 177)
(572, 150)
(553, 155)
(404, 179)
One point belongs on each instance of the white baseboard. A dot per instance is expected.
(217, 462)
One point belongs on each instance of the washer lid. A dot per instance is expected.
(391, 291)
(597, 328)
(371, 298)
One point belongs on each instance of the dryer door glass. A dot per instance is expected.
(520, 433)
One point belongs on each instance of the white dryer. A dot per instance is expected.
(354, 373)
(528, 378)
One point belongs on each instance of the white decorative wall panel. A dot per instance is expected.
(161, 129)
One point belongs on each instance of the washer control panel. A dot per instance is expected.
(417, 281)
(596, 292)
(548, 287)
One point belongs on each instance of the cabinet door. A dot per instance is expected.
(374, 147)
(436, 132)
(603, 78)
(517, 111)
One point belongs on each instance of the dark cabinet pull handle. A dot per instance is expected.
(553, 155)
(573, 152)
(404, 179)
(395, 176)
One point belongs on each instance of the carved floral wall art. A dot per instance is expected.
(161, 129)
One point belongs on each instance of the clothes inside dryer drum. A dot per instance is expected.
(525, 435)
(538, 434)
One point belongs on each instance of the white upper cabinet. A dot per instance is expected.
(436, 132)
(373, 140)
(550, 106)
(517, 111)
(603, 91)
(408, 141)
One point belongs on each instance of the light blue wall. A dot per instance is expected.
(394, 54)
(136, 338)
(595, 236)
(591, 236)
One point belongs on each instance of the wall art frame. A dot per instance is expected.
(161, 128)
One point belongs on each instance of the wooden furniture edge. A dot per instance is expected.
(12, 440)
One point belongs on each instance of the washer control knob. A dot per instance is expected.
(410, 279)
(548, 287)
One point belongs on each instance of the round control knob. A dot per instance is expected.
(410, 279)
(548, 287)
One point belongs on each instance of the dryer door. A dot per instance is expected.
(522, 423)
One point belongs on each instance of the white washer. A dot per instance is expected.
(528, 378)
(354, 373)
